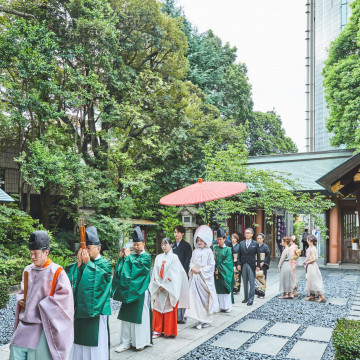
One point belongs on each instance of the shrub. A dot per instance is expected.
(59, 247)
(111, 232)
(13, 267)
(66, 237)
(15, 227)
(346, 339)
(169, 219)
(4, 291)
(63, 261)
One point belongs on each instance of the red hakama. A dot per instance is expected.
(165, 322)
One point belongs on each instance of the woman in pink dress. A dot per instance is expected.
(294, 253)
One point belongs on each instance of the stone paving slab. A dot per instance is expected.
(317, 333)
(352, 308)
(232, 340)
(354, 313)
(356, 303)
(252, 325)
(337, 301)
(306, 350)
(350, 278)
(283, 329)
(353, 318)
(269, 345)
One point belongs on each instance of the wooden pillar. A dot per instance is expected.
(259, 221)
(334, 228)
(358, 201)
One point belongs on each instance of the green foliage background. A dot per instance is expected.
(342, 83)
(114, 104)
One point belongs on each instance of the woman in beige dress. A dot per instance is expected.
(286, 278)
(294, 252)
(314, 282)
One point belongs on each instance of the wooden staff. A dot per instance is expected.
(26, 284)
(82, 234)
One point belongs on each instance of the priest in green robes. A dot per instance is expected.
(90, 278)
(224, 272)
(130, 286)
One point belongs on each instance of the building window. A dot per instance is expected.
(343, 13)
(2, 179)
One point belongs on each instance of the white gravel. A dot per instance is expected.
(292, 311)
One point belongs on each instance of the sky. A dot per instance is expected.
(270, 38)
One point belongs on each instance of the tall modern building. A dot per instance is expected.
(325, 20)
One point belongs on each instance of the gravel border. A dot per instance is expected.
(292, 311)
(7, 319)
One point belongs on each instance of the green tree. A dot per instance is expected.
(266, 135)
(56, 174)
(96, 91)
(342, 83)
(214, 67)
(266, 190)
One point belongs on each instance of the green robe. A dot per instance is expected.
(91, 285)
(224, 281)
(131, 280)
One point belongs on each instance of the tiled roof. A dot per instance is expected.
(4, 197)
(306, 168)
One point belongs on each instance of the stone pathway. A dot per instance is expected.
(270, 329)
(288, 329)
(311, 345)
(354, 313)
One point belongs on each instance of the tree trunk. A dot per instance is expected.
(28, 199)
(45, 207)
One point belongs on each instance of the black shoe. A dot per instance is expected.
(244, 301)
(249, 303)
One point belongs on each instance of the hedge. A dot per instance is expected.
(346, 339)
(4, 291)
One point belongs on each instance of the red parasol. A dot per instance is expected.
(203, 191)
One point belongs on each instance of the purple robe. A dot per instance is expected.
(52, 314)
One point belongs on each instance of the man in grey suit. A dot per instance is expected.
(247, 263)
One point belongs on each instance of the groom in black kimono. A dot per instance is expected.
(183, 250)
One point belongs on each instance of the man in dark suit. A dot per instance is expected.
(304, 241)
(247, 263)
(183, 250)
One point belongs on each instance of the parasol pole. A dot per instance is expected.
(206, 216)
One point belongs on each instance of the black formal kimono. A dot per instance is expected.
(184, 251)
(237, 273)
(264, 257)
(260, 280)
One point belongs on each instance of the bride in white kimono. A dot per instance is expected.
(203, 300)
